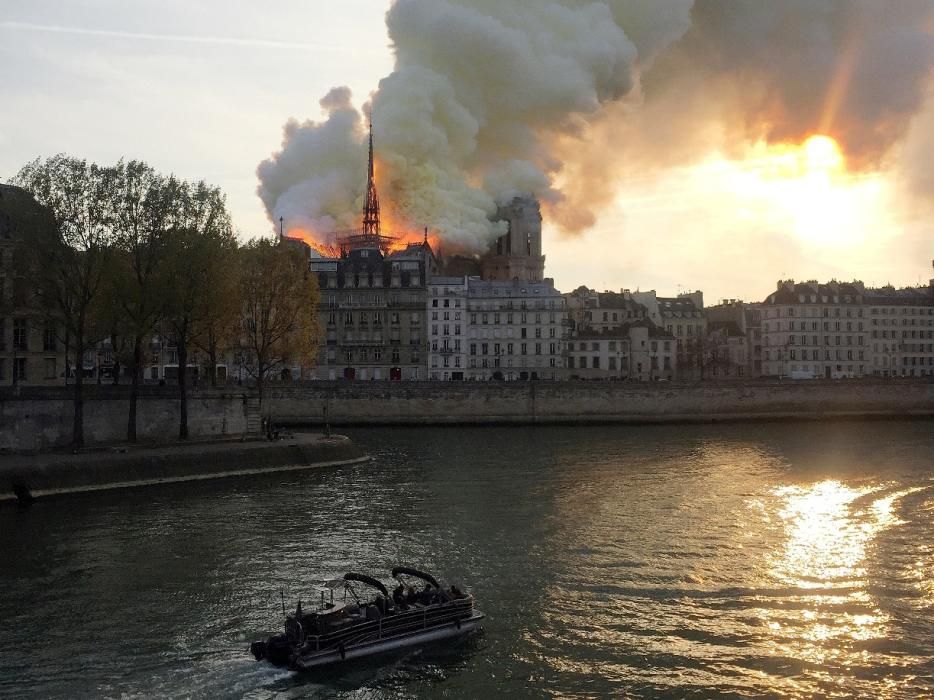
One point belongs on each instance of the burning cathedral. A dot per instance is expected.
(374, 307)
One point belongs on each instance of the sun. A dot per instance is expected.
(822, 154)
(806, 189)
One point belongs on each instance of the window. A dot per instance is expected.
(49, 341)
(19, 369)
(51, 372)
(19, 334)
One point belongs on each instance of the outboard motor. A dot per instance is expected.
(276, 650)
(258, 649)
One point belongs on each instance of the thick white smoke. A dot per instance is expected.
(480, 89)
(855, 69)
(492, 98)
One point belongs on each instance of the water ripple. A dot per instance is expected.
(740, 561)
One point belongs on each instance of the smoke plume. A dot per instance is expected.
(563, 98)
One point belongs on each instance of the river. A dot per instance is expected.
(784, 560)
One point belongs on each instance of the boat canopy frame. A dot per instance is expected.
(367, 580)
(408, 571)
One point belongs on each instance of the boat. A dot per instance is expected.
(417, 613)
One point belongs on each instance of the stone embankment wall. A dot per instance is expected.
(373, 403)
(25, 478)
(36, 419)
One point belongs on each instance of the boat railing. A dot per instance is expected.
(398, 624)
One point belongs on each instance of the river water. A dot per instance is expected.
(741, 561)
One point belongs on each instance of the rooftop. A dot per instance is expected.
(511, 288)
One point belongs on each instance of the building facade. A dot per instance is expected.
(372, 311)
(901, 323)
(725, 356)
(683, 317)
(637, 351)
(812, 330)
(32, 347)
(748, 321)
(447, 328)
(516, 330)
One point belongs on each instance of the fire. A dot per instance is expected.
(393, 226)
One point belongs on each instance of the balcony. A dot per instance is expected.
(361, 342)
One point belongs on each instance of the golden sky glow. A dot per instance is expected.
(729, 215)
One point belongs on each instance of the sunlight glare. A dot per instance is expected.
(823, 155)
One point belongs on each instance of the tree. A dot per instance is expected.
(143, 207)
(73, 254)
(280, 300)
(202, 250)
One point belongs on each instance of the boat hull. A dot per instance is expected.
(329, 657)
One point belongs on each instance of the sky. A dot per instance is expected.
(203, 90)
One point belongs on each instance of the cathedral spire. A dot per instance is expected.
(371, 208)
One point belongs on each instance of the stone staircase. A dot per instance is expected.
(254, 417)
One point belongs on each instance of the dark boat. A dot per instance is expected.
(364, 625)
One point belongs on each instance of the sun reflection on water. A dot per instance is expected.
(826, 544)
(829, 528)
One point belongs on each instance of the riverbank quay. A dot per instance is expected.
(590, 402)
(24, 478)
(39, 419)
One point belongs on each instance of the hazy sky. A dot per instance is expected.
(203, 89)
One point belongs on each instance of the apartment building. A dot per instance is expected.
(683, 317)
(516, 330)
(372, 311)
(447, 328)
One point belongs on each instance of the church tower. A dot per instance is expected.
(518, 254)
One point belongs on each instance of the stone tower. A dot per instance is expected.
(518, 254)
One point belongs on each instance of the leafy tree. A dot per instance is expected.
(201, 252)
(219, 329)
(73, 254)
(143, 208)
(280, 300)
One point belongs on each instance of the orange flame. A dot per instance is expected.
(393, 224)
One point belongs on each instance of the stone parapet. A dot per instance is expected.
(382, 403)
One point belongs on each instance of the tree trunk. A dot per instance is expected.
(134, 389)
(212, 358)
(115, 368)
(260, 371)
(182, 388)
(77, 430)
(67, 348)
